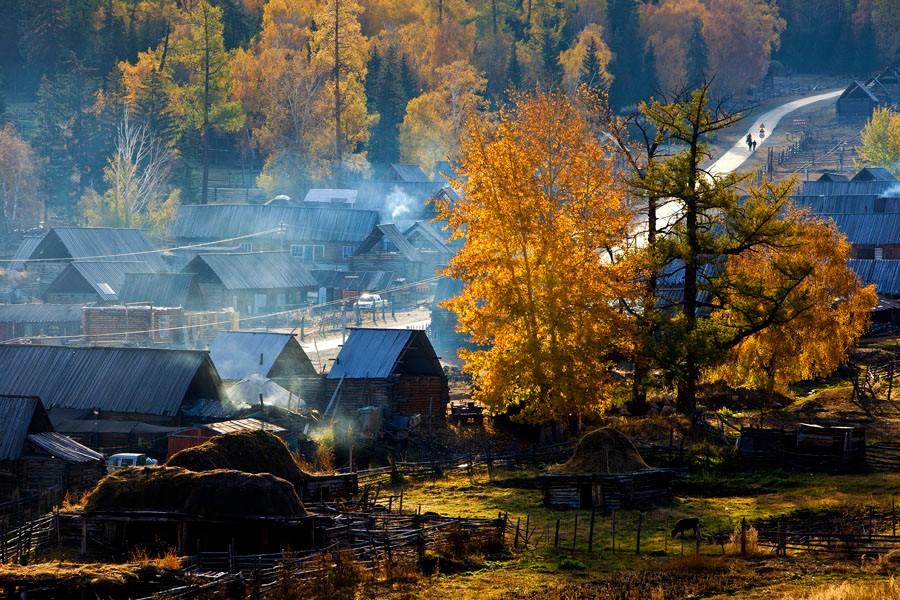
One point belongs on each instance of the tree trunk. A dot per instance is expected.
(339, 147)
(638, 405)
(687, 395)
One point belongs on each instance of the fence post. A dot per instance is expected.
(527, 529)
(575, 533)
(591, 531)
(637, 547)
(666, 537)
(743, 536)
(893, 518)
(401, 501)
(556, 535)
(516, 538)
(614, 531)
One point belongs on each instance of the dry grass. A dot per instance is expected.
(168, 560)
(868, 590)
(74, 501)
(751, 541)
(67, 573)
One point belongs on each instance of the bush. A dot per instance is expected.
(751, 540)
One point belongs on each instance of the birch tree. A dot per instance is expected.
(19, 184)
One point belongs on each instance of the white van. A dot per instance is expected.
(129, 459)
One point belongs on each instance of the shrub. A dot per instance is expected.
(751, 540)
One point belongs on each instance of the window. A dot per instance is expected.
(246, 247)
(296, 250)
(879, 253)
(313, 253)
(347, 252)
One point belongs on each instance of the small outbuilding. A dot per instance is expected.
(34, 320)
(189, 438)
(397, 369)
(808, 446)
(275, 356)
(34, 458)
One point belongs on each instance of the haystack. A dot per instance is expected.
(602, 451)
(221, 493)
(247, 451)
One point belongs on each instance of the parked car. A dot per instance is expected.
(370, 301)
(129, 459)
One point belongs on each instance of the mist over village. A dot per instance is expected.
(491, 299)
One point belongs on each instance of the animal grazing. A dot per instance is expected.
(686, 525)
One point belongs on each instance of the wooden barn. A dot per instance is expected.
(33, 457)
(346, 285)
(162, 289)
(87, 282)
(188, 438)
(387, 250)
(606, 491)
(808, 447)
(117, 394)
(857, 102)
(432, 246)
(396, 369)
(34, 320)
(254, 283)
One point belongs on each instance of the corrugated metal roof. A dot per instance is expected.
(379, 353)
(19, 416)
(885, 274)
(447, 287)
(64, 448)
(162, 289)
(374, 194)
(873, 174)
(389, 231)
(411, 173)
(105, 277)
(40, 313)
(139, 380)
(86, 426)
(360, 281)
(236, 425)
(95, 243)
(849, 204)
(259, 271)
(868, 230)
(429, 233)
(24, 251)
(851, 188)
(239, 354)
(833, 177)
(308, 223)
(331, 195)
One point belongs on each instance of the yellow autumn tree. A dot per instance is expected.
(572, 60)
(830, 308)
(881, 141)
(540, 204)
(435, 121)
(668, 26)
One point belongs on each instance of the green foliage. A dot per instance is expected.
(881, 141)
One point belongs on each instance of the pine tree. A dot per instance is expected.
(513, 69)
(589, 75)
(626, 45)
(551, 69)
(409, 80)
(650, 81)
(373, 76)
(390, 104)
(696, 60)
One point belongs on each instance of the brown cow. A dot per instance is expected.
(686, 525)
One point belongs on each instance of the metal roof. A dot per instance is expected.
(411, 173)
(24, 251)
(885, 274)
(380, 353)
(360, 281)
(430, 234)
(236, 425)
(447, 287)
(40, 313)
(86, 426)
(139, 380)
(239, 354)
(400, 243)
(833, 177)
(851, 188)
(162, 289)
(19, 416)
(308, 223)
(105, 278)
(868, 229)
(64, 448)
(254, 271)
(849, 204)
(98, 243)
(873, 174)
(857, 85)
(331, 195)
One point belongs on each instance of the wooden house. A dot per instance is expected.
(386, 249)
(347, 285)
(253, 283)
(337, 197)
(319, 234)
(115, 397)
(162, 289)
(396, 369)
(33, 457)
(35, 320)
(275, 356)
(857, 102)
(89, 282)
(407, 173)
(45, 257)
(432, 246)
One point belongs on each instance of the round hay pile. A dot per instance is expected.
(218, 493)
(602, 451)
(247, 451)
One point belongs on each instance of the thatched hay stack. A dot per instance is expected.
(602, 451)
(247, 451)
(228, 494)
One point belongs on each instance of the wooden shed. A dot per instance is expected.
(857, 102)
(397, 369)
(28, 320)
(606, 491)
(189, 438)
(808, 446)
(33, 457)
(275, 356)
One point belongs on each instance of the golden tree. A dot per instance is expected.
(541, 214)
(828, 308)
(881, 141)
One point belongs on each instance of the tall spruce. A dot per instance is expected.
(589, 76)
(390, 104)
(696, 59)
(627, 47)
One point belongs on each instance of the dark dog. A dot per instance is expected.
(686, 525)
